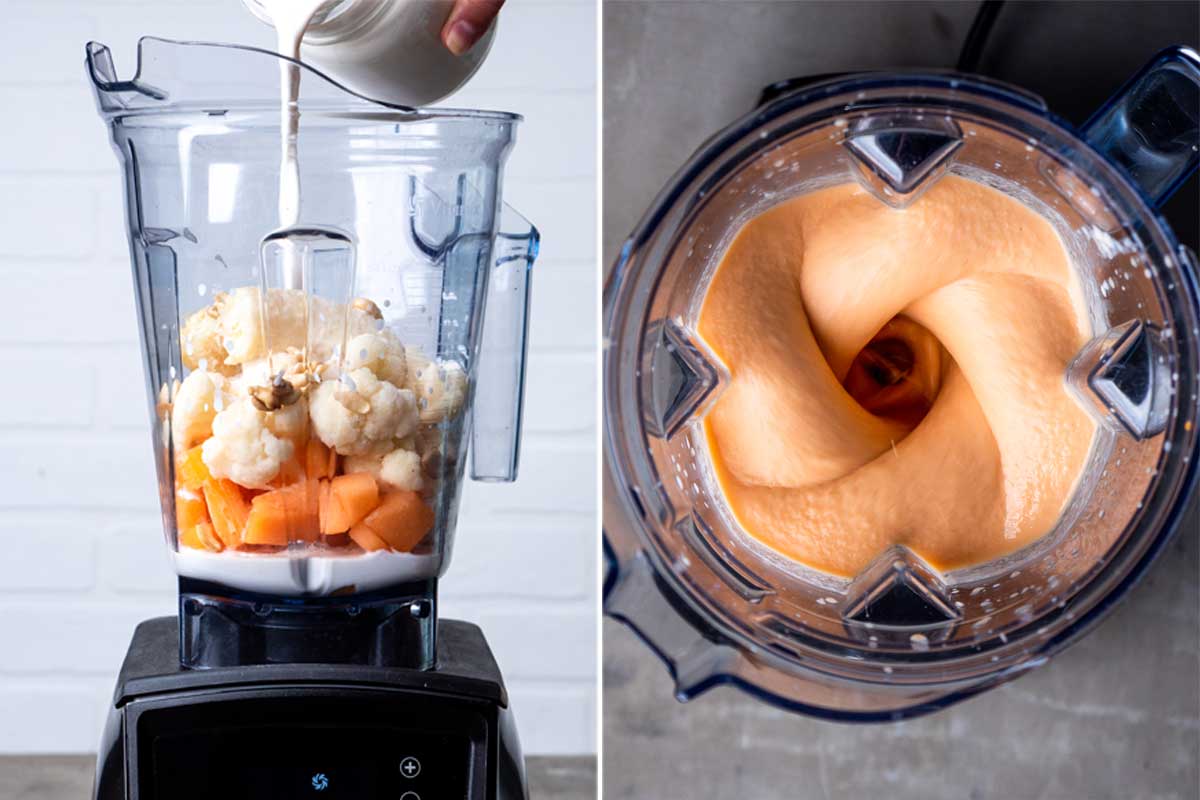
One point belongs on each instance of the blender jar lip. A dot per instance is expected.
(351, 113)
(158, 103)
(680, 197)
(899, 82)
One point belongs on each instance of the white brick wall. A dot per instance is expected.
(80, 539)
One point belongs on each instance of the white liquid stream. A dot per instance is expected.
(291, 19)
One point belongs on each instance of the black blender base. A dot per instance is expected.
(220, 628)
(309, 730)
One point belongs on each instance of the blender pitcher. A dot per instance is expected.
(902, 638)
(311, 388)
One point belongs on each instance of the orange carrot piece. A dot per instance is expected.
(348, 499)
(401, 520)
(192, 472)
(322, 504)
(368, 541)
(319, 460)
(284, 515)
(228, 509)
(208, 537)
(189, 538)
(190, 508)
(201, 536)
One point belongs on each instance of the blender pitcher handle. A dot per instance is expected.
(500, 370)
(1151, 127)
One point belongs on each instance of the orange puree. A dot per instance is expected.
(896, 376)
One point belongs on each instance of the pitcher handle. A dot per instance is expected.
(1151, 127)
(500, 369)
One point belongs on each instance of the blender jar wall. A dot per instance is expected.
(398, 208)
(785, 627)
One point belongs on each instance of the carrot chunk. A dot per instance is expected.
(348, 499)
(368, 541)
(228, 509)
(190, 508)
(192, 472)
(284, 515)
(401, 520)
(319, 460)
(201, 536)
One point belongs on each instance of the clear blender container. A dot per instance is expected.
(312, 389)
(902, 638)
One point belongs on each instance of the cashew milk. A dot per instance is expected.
(290, 19)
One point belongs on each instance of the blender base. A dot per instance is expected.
(220, 628)
(287, 730)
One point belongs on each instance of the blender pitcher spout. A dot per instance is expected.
(111, 91)
(500, 377)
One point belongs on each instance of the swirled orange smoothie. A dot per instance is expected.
(897, 376)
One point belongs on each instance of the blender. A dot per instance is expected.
(312, 392)
(902, 638)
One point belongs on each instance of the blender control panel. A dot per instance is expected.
(298, 747)
(291, 763)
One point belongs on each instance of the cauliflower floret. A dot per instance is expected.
(331, 327)
(417, 363)
(288, 422)
(381, 353)
(193, 410)
(242, 329)
(243, 447)
(360, 414)
(200, 340)
(441, 390)
(253, 373)
(399, 469)
(291, 314)
(440, 386)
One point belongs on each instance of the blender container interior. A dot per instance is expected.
(899, 638)
(356, 337)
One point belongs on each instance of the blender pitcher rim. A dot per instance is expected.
(95, 50)
(899, 79)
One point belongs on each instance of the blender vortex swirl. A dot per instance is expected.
(897, 376)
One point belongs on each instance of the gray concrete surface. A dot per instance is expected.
(70, 777)
(1115, 716)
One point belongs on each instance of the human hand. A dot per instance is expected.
(467, 23)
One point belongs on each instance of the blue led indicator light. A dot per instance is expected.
(320, 782)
